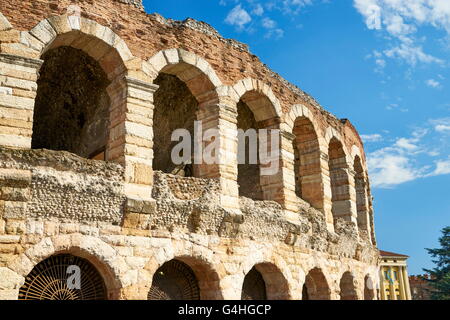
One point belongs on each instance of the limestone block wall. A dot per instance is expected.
(311, 222)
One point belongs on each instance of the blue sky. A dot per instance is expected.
(383, 64)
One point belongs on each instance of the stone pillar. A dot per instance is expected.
(131, 133)
(223, 118)
(344, 194)
(18, 76)
(280, 186)
(407, 287)
(402, 284)
(362, 204)
(382, 284)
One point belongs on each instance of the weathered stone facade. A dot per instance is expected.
(309, 230)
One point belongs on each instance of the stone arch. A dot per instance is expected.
(348, 287)
(101, 255)
(79, 35)
(257, 108)
(362, 201)
(192, 69)
(341, 179)
(316, 286)
(187, 93)
(275, 272)
(275, 283)
(307, 156)
(369, 288)
(208, 274)
(259, 97)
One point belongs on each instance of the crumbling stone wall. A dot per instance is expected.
(72, 107)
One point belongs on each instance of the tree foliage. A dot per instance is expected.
(440, 275)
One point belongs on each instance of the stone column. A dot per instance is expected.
(223, 118)
(407, 287)
(382, 282)
(402, 284)
(18, 76)
(131, 133)
(344, 193)
(362, 204)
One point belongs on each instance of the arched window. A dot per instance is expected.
(175, 108)
(362, 204)
(316, 286)
(63, 277)
(254, 287)
(72, 105)
(174, 280)
(185, 95)
(369, 288)
(255, 112)
(307, 167)
(347, 286)
(343, 205)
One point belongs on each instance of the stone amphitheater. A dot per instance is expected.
(90, 92)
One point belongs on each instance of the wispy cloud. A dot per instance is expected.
(367, 138)
(400, 162)
(401, 20)
(238, 17)
(433, 83)
(441, 125)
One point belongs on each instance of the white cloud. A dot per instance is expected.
(442, 167)
(238, 17)
(442, 128)
(411, 54)
(401, 19)
(407, 144)
(367, 138)
(388, 169)
(433, 83)
(441, 125)
(258, 10)
(268, 23)
(400, 162)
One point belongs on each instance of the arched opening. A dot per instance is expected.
(255, 112)
(340, 183)
(174, 280)
(347, 287)
(254, 287)
(72, 106)
(361, 198)
(369, 288)
(175, 108)
(64, 277)
(308, 181)
(248, 169)
(185, 95)
(316, 286)
(265, 281)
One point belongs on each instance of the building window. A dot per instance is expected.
(395, 275)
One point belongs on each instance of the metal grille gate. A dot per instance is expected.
(174, 281)
(49, 280)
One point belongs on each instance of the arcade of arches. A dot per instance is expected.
(70, 277)
(87, 184)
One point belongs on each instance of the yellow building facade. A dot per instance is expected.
(394, 280)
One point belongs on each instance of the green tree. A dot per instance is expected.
(440, 275)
